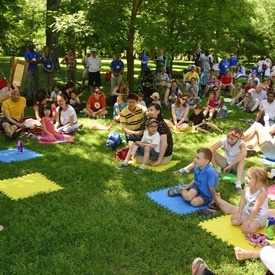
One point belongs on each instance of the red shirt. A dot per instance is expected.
(96, 104)
(226, 80)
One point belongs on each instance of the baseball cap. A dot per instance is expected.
(155, 95)
(93, 49)
(88, 51)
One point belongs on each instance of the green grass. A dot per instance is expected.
(102, 222)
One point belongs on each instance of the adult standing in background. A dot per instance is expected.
(33, 58)
(144, 59)
(94, 63)
(117, 68)
(85, 75)
(70, 61)
(160, 61)
(168, 57)
(233, 61)
(196, 59)
(47, 66)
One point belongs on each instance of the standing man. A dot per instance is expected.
(12, 115)
(85, 75)
(223, 66)
(168, 57)
(233, 61)
(33, 58)
(117, 68)
(94, 64)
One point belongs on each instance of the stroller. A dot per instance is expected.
(146, 82)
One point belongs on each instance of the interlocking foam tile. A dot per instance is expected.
(102, 127)
(222, 228)
(159, 168)
(271, 192)
(27, 186)
(13, 155)
(174, 204)
(231, 177)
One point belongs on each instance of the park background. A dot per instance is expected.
(102, 222)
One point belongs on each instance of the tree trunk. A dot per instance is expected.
(129, 50)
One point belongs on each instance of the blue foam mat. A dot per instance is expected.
(10, 155)
(267, 161)
(174, 204)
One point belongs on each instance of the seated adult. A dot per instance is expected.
(96, 104)
(121, 88)
(267, 108)
(132, 118)
(191, 74)
(227, 82)
(66, 119)
(168, 92)
(166, 139)
(39, 100)
(163, 80)
(241, 73)
(180, 111)
(253, 98)
(69, 87)
(255, 79)
(12, 115)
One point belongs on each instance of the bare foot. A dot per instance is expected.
(225, 207)
(242, 254)
(250, 146)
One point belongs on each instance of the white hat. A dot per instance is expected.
(93, 49)
(88, 51)
(155, 95)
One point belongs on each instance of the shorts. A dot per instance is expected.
(70, 75)
(3, 120)
(94, 79)
(232, 171)
(154, 155)
(260, 219)
(205, 199)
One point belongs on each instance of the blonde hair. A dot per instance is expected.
(259, 175)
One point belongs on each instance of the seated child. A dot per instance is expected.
(76, 103)
(148, 147)
(118, 107)
(155, 97)
(198, 119)
(56, 91)
(202, 189)
(141, 102)
(172, 98)
(211, 107)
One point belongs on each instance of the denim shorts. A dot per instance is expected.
(154, 155)
(205, 199)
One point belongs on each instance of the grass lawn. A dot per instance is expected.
(102, 221)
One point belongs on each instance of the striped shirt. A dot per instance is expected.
(132, 120)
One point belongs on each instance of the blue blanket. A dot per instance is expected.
(174, 204)
(10, 155)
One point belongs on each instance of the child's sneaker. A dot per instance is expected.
(122, 165)
(139, 170)
(199, 267)
(184, 171)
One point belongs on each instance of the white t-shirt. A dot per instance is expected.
(154, 139)
(94, 64)
(230, 152)
(65, 115)
(54, 95)
(269, 108)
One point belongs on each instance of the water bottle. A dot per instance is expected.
(20, 146)
(269, 229)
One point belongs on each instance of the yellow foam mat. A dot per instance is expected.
(222, 228)
(159, 168)
(27, 186)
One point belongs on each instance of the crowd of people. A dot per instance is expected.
(149, 134)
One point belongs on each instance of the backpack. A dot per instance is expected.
(264, 66)
(222, 112)
(114, 140)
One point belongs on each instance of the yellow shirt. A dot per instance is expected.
(15, 108)
(132, 121)
(190, 75)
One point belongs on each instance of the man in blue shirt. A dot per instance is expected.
(233, 61)
(223, 66)
(117, 67)
(33, 58)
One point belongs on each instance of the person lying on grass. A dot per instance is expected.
(148, 147)
(253, 209)
(202, 189)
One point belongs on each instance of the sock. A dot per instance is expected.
(183, 170)
(142, 167)
(238, 185)
(125, 162)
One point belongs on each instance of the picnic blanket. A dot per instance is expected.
(232, 178)
(174, 204)
(159, 168)
(271, 192)
(67, 138)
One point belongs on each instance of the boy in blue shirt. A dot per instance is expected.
(202, 189)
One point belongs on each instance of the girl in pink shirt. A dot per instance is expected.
(211, 106)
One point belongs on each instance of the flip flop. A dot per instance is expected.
(206, 212)
(175, 191)
(16, 133)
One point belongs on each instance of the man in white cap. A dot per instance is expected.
(94, 64)
(85, 75)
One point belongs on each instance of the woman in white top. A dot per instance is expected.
(66, 119)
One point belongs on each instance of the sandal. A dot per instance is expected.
(214, 206)
(174, 192)
(258, 241)
(206, 212)
(255, 237)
